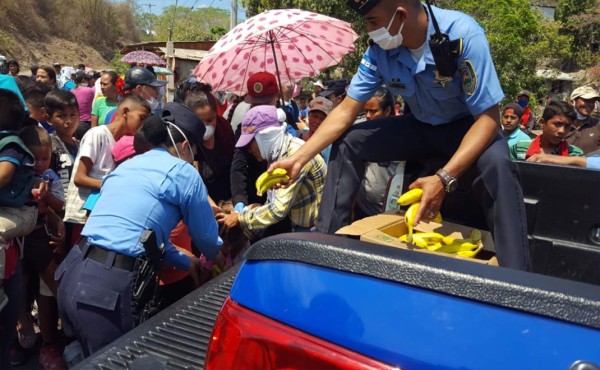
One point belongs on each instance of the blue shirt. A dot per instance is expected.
(153, 191)
(593, 162)
(474, 89)
(516, 136)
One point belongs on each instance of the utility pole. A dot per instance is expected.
(149, 5)
(171, 58)
(234, 11)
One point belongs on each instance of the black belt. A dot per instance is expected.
(100, 254)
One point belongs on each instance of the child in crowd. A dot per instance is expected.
(511, 120)
(40, 259)
(16, 219)
(556, 122)
(34, 98)
(95, 160)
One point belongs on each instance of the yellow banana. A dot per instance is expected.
(438, 218)
(419, 242)
(448, 240)
(409, 217)
(410, 197)
(434, 246)
(458, 246)
(267, 180)
(430, 236)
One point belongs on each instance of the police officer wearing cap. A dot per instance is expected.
(150, 192)
(439, 62)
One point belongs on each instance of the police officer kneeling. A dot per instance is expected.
(145, 196)
(439, 62)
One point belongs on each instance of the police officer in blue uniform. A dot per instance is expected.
(439, 62)
(150, 192)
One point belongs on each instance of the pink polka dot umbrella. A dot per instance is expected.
(290, 43)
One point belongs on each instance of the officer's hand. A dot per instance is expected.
(195, 270)
(227, 221)
(432, 198)
(293, 165)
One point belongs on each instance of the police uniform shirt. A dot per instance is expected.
(434, 99)
(153, 191)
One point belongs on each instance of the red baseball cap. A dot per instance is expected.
(262, 86)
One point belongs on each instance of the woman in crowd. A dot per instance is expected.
(46, 75)
(13, 68)
(370, 199)
(216, 151)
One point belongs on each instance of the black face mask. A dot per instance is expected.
(445, 51)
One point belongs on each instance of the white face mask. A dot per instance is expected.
(580, 117)
(209, 133)
(383, 38)
(152, 102)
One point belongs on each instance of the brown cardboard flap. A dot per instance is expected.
(367, 224)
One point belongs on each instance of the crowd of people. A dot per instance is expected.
(103, 183)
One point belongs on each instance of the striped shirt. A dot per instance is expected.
(519, 150)
(300, 201)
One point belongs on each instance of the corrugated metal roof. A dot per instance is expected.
(187, 54)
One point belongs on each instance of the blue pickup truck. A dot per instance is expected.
(311, 301)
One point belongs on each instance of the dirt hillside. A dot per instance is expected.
(29, 52)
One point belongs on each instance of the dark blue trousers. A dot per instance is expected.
(94, 299)
(493, 178)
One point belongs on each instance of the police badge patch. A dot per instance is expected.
(469, 77)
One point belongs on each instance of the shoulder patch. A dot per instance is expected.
(469, 77)
(368, 65)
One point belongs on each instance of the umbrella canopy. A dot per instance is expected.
(290, 43)
(142, 56)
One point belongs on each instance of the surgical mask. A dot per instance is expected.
(523, 103)
(209, 133)
(383, 38)
(152, 102)
(580, 117)
(169, 124)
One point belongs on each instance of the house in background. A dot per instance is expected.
(187, 54)
(547, 7)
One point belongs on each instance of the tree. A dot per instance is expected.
(187, 24)
(581, 20)
(521, 41)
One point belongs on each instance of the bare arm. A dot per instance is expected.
(336, 123)
(7, 171)
(473, 144)
(558, 159)
(94, 121)
(82, 177)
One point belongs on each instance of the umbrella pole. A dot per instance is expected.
(272, 42)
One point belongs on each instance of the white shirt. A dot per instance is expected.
(96, 144)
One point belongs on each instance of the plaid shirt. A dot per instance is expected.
(300, 200)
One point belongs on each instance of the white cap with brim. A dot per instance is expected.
(585, 92)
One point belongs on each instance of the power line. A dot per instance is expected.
(149, 5)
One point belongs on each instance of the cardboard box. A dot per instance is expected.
(387, 228)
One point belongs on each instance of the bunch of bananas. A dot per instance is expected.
(446, 244)
(413, 197)
(267, 180)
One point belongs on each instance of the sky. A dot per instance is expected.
(158, 5)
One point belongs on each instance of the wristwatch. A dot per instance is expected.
(450, 183)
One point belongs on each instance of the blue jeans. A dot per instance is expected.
(13, 287)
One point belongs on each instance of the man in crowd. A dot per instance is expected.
(527, 118)
(453, 123)
(511, 120)
(336, 91)
(585, 130)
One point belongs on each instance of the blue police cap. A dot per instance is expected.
(362, 7)
(185, 118)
